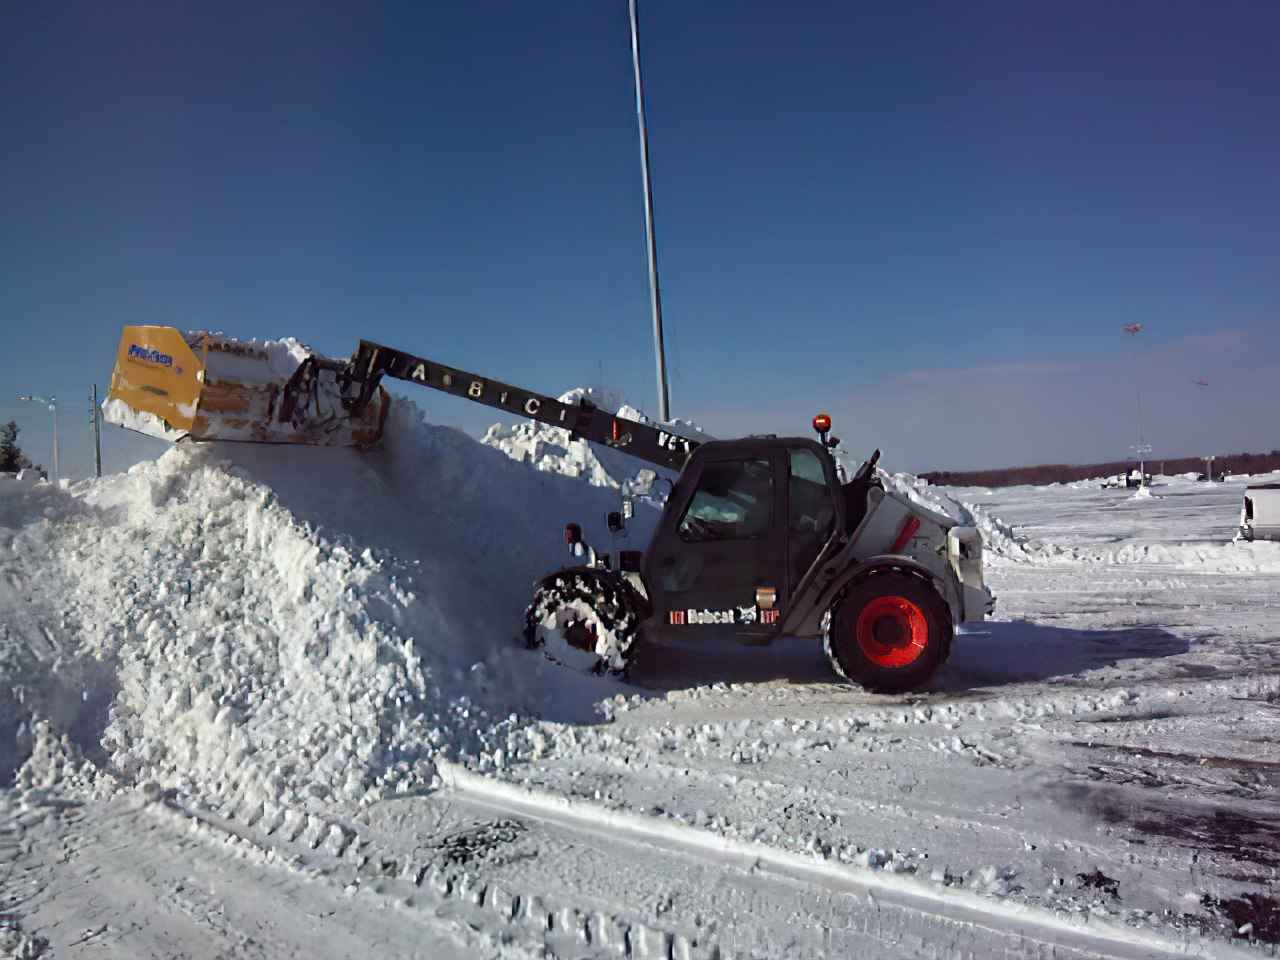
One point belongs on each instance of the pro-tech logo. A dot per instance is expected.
(148, 355)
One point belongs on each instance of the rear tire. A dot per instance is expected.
(583, 621)
(890, 633)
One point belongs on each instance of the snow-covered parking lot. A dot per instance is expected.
(269, 703)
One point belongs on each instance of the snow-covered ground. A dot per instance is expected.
(263, 701)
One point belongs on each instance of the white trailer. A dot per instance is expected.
(1260, 515)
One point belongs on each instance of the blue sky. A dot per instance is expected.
(930, 219)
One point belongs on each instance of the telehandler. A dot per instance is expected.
(759, 537)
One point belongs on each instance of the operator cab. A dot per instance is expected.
(762, 538)
(744, 525)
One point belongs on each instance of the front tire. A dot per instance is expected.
(583, 621)
(890, 633)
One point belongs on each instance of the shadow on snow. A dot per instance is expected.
(1002, 653)
(1020, 651)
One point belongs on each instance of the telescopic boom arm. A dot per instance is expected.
(583, 420)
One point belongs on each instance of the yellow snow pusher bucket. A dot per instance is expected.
(202, 386)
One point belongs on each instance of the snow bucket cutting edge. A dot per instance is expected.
(205, 387)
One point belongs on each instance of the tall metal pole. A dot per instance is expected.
(97, 434)
(655, 295)
(52, 403)
(1133, 329)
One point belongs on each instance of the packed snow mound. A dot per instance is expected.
(920, 493)
(551, 449)
(276, 626)
(253, 657)
(116, 411)
(999, 542)
(228, 363)
(1003, 543)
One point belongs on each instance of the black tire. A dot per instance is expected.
(577, 608)
(890, 633)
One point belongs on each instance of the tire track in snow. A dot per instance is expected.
(576, 921)
(896, 908)
(556, 926)
(838, 914)
(148, 879)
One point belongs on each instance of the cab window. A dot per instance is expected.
(811, 511)
(733, 501)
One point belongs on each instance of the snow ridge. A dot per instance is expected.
(260, 638)
(254, 656)
(550, 449)
(999, 542)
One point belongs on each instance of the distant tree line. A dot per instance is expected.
(12, 459)
(1067, 473)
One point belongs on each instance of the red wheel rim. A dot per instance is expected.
(892, 631)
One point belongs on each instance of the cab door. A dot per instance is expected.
(722, 539)
(813, 513)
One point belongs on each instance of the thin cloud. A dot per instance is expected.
(1046, 410)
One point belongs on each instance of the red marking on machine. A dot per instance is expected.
(904, 537)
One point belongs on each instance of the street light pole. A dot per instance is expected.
(655, 295)
(52, 403)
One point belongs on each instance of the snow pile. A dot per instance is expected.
(998, 538)
(550, 449)
(32, 613)
(115, 410)
(923, 495)
(249, 361)
(1003, 544)
(1242, 557)
(1187, 525)
(255, 659)
(283, 625)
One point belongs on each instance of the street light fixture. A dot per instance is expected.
(52, 403)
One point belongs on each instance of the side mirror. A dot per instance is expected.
(615, 522)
